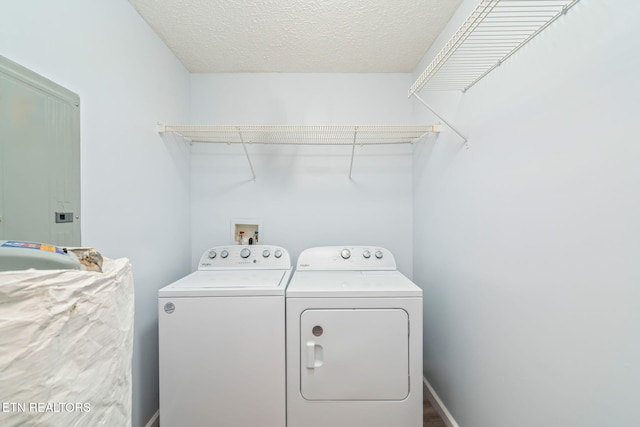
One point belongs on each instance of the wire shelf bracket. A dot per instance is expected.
(246, 153)
(453, 128)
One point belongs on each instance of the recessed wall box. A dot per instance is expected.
(247, 231)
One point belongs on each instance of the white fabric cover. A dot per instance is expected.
(66, 340)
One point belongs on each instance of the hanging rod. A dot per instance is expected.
(494, 31)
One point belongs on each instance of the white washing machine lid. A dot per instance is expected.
(247, 282)
(351, 284)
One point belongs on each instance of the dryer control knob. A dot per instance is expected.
(245, 253)
(379, 254)
(212, 254)
(346, 254)
(266, 253)
(224, 253)
(277, 253)
(366, 254)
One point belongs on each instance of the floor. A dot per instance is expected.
(430, 416)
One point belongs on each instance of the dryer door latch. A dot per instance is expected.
(314, 355)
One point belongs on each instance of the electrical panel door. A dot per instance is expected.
(354, 354)
(39, 158)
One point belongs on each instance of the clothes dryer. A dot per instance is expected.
(222, 340)
(354, 341)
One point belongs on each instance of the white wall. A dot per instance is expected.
(303, 194)
(135, 186)
(532, 234)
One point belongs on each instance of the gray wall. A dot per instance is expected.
(303, 194)
(135, 187)
(530, 238)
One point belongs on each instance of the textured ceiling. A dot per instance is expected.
(297, 36)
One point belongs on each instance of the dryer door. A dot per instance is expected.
(354, 354)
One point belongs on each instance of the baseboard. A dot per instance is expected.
(431, 395)
(439, 406)
(155, 420)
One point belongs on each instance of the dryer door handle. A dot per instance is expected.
(314, 355)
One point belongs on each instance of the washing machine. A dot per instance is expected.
(354, 341)
(222, 340)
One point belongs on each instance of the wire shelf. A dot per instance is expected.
(301, 135)
(493, 32)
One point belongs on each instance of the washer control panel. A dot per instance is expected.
(241, 256)
(346, 258)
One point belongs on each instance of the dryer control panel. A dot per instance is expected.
(342, 258)
(264, 257)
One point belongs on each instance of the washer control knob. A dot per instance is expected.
(212, 254)
(379, 254)
(266, 253)
(224, 253)
(366, 254)
(277, 253)
(245, 253)
(346, 254)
